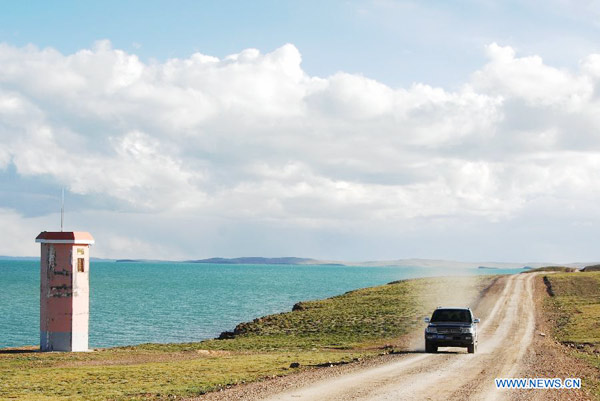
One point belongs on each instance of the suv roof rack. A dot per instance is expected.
(453, 307)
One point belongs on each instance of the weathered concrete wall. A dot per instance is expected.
(81, 299)
(56, 291)
(64, 297)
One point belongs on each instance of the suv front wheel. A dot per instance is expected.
(430, 348)
(472, 348)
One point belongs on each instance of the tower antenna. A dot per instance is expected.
(62, 209)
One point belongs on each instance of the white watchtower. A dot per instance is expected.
(64, 290)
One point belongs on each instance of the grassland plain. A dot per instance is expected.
(574, 309)
(358, 324)
(555, 269)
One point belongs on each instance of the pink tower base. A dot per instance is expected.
(64, 290)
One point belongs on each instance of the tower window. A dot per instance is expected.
(80, 265)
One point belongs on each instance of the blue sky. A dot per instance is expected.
(347, 130)
(394, 42)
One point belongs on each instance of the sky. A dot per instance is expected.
(342, 130)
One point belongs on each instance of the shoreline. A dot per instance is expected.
(337, 330)
(211, 309)
(320, 340)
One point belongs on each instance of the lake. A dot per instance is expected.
(133, 303)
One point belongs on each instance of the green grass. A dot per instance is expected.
(557, 269)
(121, 380)
(576, 306)
(357, 324)
(575, 311)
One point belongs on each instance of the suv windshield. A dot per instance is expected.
(451, 315)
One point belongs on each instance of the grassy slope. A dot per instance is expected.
(557, 269)
(360, 323)
(575, 310)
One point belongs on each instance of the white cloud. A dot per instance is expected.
(18, 239)
(352, 96)
(528, 78)
(253, 138)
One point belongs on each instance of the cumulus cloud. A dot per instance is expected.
(529, 79)
(253, 138)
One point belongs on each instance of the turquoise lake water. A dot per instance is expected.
(133, 303)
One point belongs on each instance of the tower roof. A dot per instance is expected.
(65, 237)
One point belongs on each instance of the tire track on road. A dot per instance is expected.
(431, 376)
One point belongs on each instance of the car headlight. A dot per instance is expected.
(466, 330)
(430, 330)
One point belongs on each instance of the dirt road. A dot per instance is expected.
(506, 332)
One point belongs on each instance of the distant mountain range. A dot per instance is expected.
(453, 264)
(427, 263)
(256, 260)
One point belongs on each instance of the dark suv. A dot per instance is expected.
(451, 327)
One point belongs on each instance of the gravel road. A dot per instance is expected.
(510, 345)
(505, 332)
